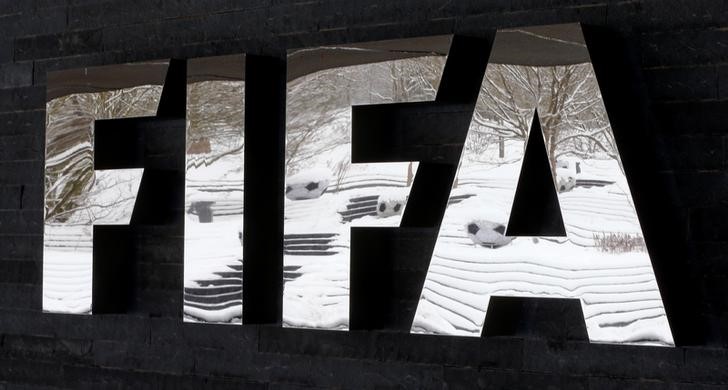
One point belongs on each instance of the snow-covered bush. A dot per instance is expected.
(619, 242)
(308, 184)
(487, 233)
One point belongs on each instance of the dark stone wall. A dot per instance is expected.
(681, 52)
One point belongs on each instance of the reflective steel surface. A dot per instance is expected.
(325, 193)
(602, 261)
(214, 190)
(76, 196)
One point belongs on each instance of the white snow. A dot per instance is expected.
(67, 247)
(617, 290)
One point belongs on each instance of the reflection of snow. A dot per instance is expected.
(213, 269)
(209, 247)
(319, 134)
(614, 288)
(76, 196)
(617, 289)
(213, 225)
(67, 247)
(319, 298)
(308, 184)
(67, 268)
(618, 292)
(620, 297)
(392, 202)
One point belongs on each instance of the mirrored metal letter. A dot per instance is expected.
(602, 260)
(214, 190)
(76, 196)
(325, 193)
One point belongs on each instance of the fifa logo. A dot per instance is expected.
(502, 148)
